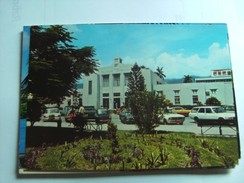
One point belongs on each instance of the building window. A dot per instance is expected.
(177, 100)
(105, 94)
(106, 103)
(213, 91)
(116, 80)
(105, 80)
(90, 87)
(195, 99)
(207, 93)
(194, 91)
(116, 103)
(116, 94)
(127, 75)
(177, 92)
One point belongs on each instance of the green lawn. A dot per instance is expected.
(130, 151)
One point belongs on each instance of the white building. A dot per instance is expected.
(108, 86)
(192, 93)
(220, 75)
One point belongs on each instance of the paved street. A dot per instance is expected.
(188, 126)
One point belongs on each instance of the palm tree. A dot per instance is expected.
(160, 72)
(187, 79)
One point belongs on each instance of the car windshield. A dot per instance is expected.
(54, 110)
(218, 109)
(194, 109)
(102, 111)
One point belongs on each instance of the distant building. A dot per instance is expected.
(221, 75)
(193, 93)
(218, 85)
(108, 87)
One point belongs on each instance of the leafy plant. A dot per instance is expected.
(153, 161)
(195, 157)
(112, 136)
(137, 165)
(92, 154)
(32, 156)
(228, 161)
(68, 157)
(164, 156)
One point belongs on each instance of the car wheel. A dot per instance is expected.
(196, 119)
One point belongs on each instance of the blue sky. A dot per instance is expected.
(25, 51)
(181, 49)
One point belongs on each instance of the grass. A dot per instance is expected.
(131, 151)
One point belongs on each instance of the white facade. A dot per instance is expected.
(192, 93)
(108, 86)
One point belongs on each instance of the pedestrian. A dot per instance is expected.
(81, 110)
(71, 116)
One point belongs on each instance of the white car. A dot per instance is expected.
(172, 118)
(52, 115)
(211, 113)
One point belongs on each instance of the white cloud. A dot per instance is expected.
(178, 65)
(147, 62)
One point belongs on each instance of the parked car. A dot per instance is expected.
(181, 110)
(126, 117)
(64, 110)
(90, 111)
(102, 115)
(172, 118)
(229, 108)
(211, 113)
(52, 115)
(91, 114)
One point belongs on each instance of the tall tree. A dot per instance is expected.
(144, 104)
(136, 86)
(187, 79)
(55, 65)
(160, 72)
(136, 80)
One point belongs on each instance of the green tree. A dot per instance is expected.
(160, 72)
(136, 86)
(149, 109)
(187, 79)
(55, 65)
(136, 80)
(213, 101)
(144, 105)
